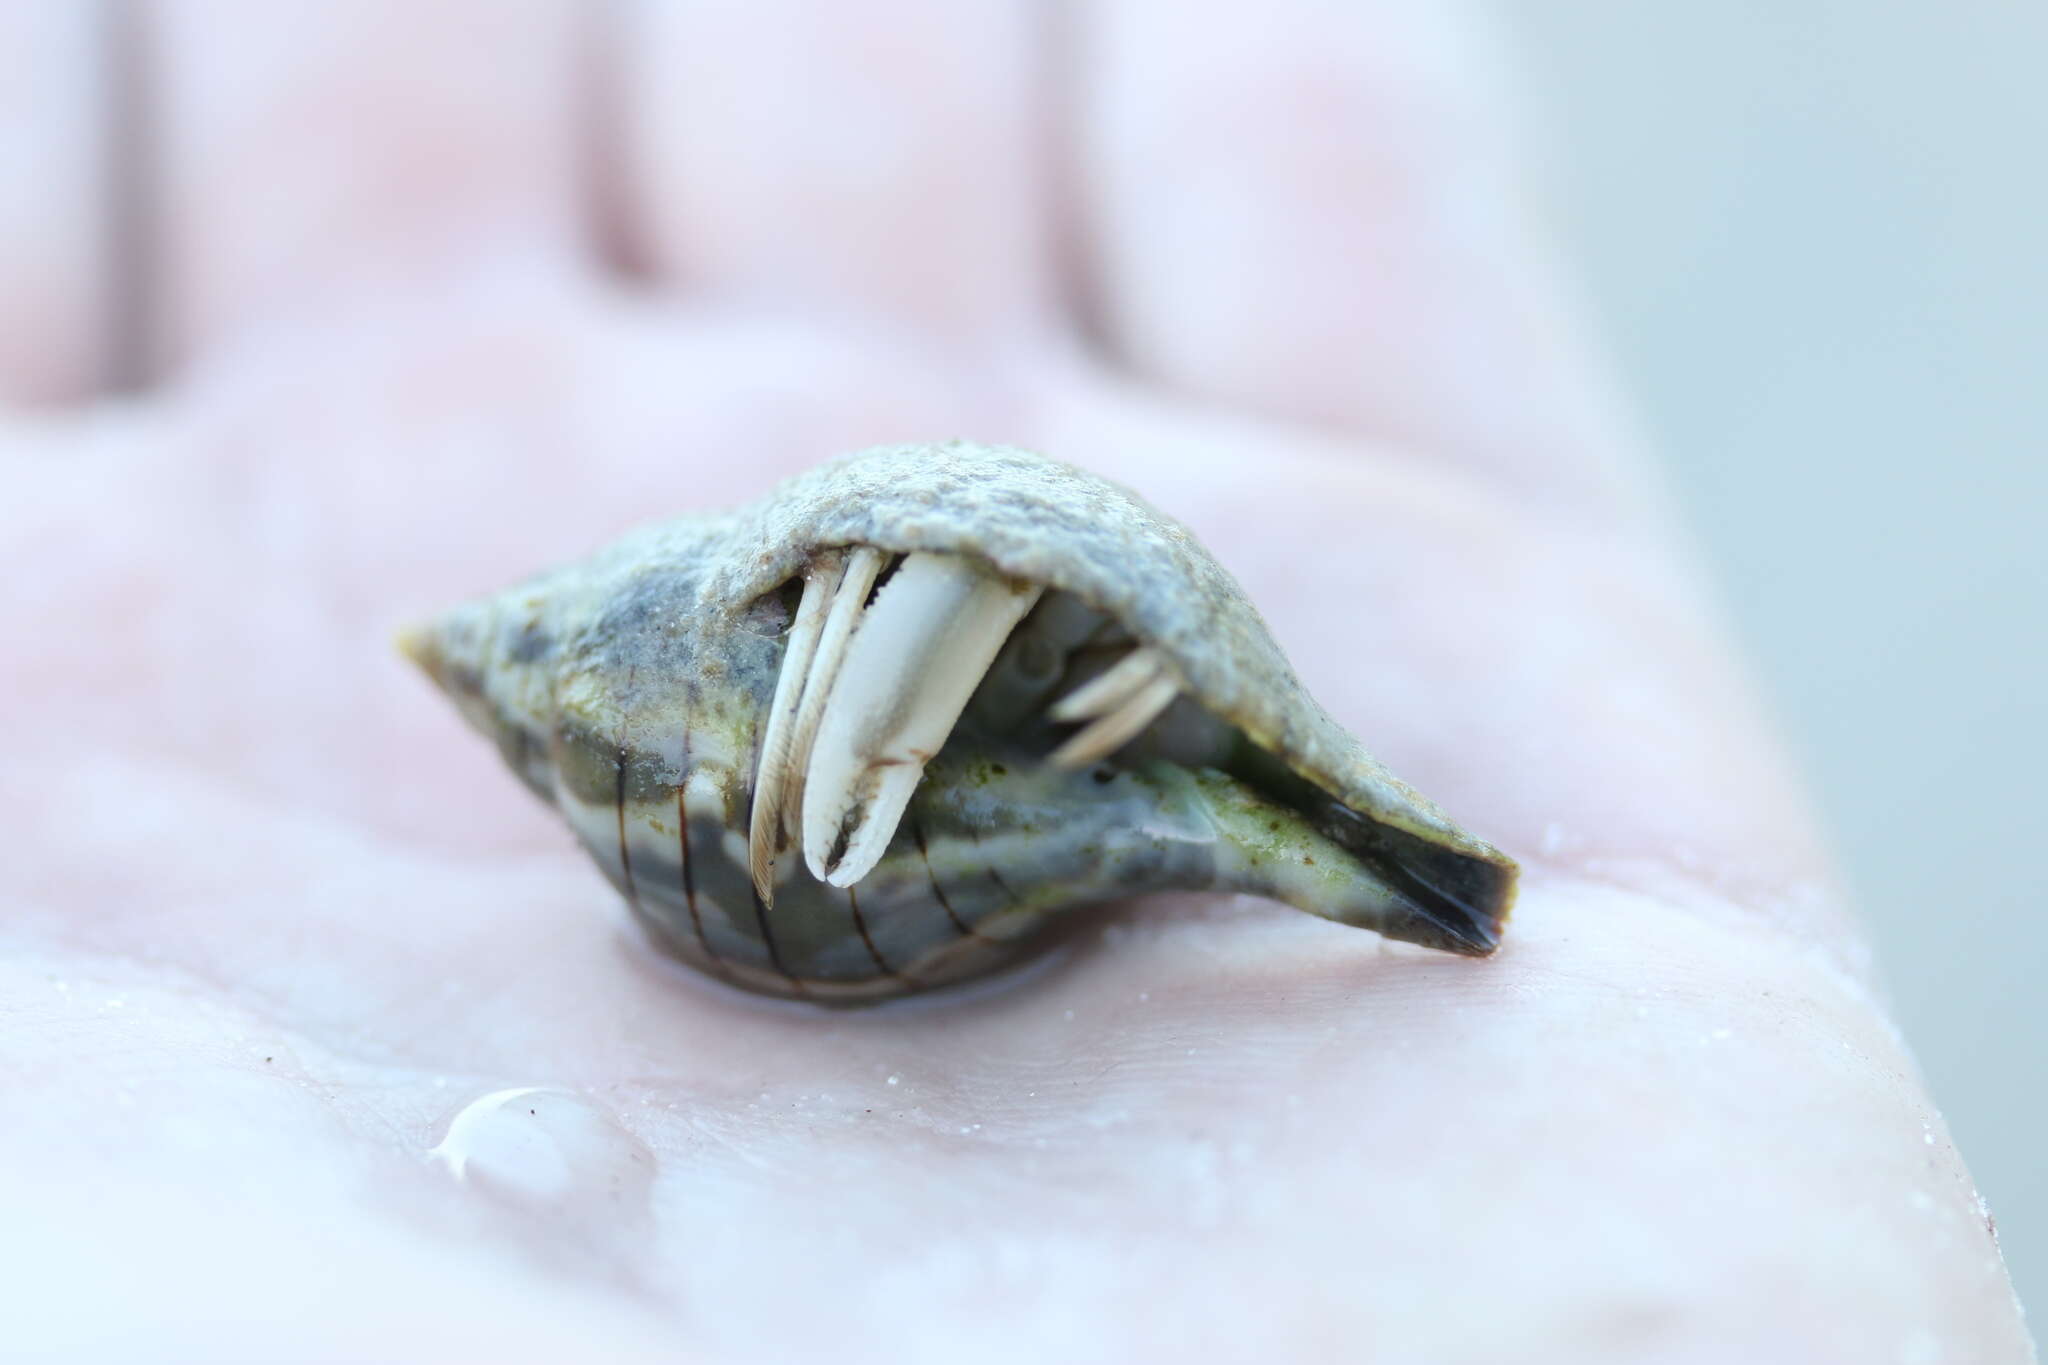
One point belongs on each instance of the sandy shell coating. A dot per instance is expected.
(628, 690)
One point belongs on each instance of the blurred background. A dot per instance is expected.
(1816, 236)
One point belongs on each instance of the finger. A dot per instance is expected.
(312, 156)
(1311, 209)
(53, 206)
(877, 159)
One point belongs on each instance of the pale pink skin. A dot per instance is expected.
(270, 915)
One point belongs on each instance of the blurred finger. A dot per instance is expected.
(54, 239)
(1309, 209)
(311, 154)
(879, 159)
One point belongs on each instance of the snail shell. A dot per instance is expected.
(1054, 698)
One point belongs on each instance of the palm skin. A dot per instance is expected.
(272, 917)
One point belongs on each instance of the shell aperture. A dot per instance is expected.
(884, 729)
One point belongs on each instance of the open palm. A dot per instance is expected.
(434, 296)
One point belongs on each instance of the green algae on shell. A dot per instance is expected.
(633, 692)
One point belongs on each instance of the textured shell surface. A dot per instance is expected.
(637, 692)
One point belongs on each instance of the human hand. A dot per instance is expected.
(270, 917)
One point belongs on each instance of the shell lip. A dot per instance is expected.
(1450, 923)
(1461, 896)
(1456, 890)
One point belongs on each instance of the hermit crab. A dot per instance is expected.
(886, 728)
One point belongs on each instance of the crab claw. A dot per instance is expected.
(1117, 706)
(916, 658)
(836, 588)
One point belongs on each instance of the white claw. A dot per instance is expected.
(1101, 695)
(920, 652)
(863, 565)
(779, 777)
(1107, 733)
